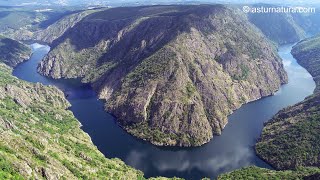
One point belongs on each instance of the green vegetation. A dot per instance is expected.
(291, 139)
(307, 52)
(156, 70)
(256, 173)
(13, 52)
(245, 72)
(21, 22)
(7, 171)
(40, 139)
(190, 89)
(279, 27)
(155, 136)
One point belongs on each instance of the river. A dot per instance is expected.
(232, 150)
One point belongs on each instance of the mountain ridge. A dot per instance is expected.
(151, 67)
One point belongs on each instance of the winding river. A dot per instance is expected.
(232, 150)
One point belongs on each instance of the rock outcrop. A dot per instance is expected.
(41, 139)
(170, 74)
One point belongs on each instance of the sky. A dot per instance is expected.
(132, 2)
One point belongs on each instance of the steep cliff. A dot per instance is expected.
(170, 74)
(58, 28)
(13, 52)
(307, 53)
(41, 139)
(280, 28)
(291, 139)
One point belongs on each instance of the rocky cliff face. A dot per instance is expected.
(291, 139)
(170, 74)
(13, 52)
(40, 139)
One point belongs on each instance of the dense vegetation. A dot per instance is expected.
(20, 23)
(40, 139)
(278, 27)
(291, 139)
(13, 52)
(283, 28)
(256, 173)
(307, 52)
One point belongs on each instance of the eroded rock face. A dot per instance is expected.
(41, 139)
(170, 74)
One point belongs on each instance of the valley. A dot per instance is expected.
(170, 162)
(168, 76)
(289, 141)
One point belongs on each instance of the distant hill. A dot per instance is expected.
(13, 52)
(284, 28)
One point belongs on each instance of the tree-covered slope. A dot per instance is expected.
(21, 22)
(41, 139)
(280, 28)
(57, 29)
(307, 53)
(291, 138)
(284, 28)
(13, 52)
(170, 74)
(257, 173)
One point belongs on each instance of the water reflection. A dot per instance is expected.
(232, 150)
